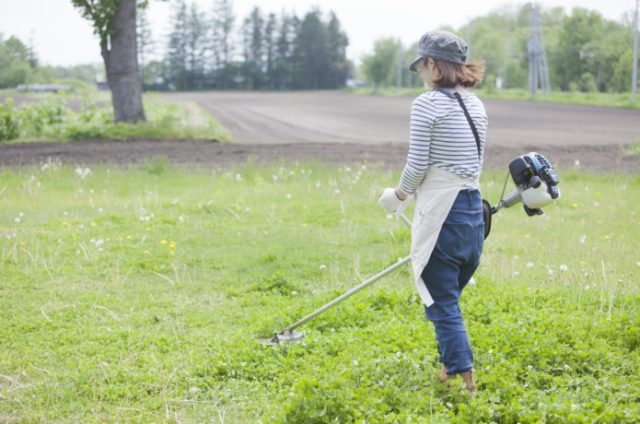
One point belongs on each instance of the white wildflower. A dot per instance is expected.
(583, 239)
(83, 172)
(530, 264)
(323, 267)
(577, 163)
(289, 196)
(563, 267)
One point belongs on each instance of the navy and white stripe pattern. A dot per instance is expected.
(441, 137)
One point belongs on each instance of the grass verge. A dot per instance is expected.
(614, 100)
(88, 115)
(139, 295)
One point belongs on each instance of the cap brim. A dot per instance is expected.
(414, 65)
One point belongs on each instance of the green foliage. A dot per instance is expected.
(379, 67)
(575, 96)
(138, 296)
(634, 149)
(9, 125)
(100, 13)
(585, 51)
(17, 62)
(53, 120)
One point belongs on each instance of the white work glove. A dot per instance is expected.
(389, 200)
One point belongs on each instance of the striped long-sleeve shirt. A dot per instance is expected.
(440, 136)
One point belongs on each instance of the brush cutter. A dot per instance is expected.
(290, 334)
(536, 186)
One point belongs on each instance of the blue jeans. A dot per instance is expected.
(455, 258)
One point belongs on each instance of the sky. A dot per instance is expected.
(61, 36)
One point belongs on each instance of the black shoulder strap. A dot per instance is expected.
(450, 92)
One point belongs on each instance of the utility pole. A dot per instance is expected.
(634, 79)
(538, 68)
(399, 65)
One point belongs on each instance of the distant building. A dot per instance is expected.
(355, 83)
(54, 88)
(101, 82)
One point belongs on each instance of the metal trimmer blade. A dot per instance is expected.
(285, 336)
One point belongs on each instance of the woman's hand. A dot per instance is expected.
(391, 199)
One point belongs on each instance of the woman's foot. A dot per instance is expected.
(443, 376)
(467, 377)
(469, 384)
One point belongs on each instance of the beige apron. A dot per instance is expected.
(434, 199)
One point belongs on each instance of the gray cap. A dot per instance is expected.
(441, 45)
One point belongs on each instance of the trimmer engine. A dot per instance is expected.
(536, 183)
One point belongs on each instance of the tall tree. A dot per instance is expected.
(378, 66)
(337, 42)
(145, 41)
(222, 43)
(311, 53)
(196, 47)
(15, 66)
(177, 55)
(253, 46)
(270, 50)
(114, 21)
(575, 47)
(281, 76)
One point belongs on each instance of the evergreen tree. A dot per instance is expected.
(197, 51)
(222, 43)
(145, 43)
(311, 53)
(282, 75)
(177, 55)
(270, 50)
(253, 50)
(337, 45)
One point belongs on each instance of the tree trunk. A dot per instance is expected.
(120, 56)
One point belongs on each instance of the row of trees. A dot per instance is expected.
(585, 51)
(210, 49)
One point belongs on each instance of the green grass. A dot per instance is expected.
(50, 118)
(615, 100)
(634, 149)
(138, 296)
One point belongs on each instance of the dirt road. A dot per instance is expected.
(343, 128)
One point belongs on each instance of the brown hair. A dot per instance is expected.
(450, 74)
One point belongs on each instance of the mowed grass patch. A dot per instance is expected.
(139, 295)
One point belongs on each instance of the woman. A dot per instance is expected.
(442, 171)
